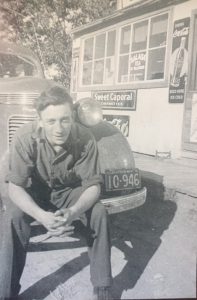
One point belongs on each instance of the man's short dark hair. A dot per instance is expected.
(54, 96)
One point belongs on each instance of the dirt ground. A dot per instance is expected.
(153, 256)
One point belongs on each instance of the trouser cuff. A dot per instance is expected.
(106, 282)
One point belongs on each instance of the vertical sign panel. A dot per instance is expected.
(179, 61)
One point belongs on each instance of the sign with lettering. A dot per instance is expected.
(179, 60)
(137, 66)
(121, 122)
(122, 99)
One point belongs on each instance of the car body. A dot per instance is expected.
(21, 81)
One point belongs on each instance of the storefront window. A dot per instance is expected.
(156, 64)
(158, 31)
(111, 38)
(140, 55)
(125, 39)
(98, 71)
(123, 68)
(88, 49)
(140, 31)
(100, 46)
(98, 59)
(109, 70)
(143, 49)
(87, 72)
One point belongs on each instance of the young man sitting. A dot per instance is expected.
(54, 178)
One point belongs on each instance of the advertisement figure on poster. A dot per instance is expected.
(179, 61)
(179, 64)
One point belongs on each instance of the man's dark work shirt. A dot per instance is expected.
(52, 175)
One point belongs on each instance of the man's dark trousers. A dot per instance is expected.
(15, 237)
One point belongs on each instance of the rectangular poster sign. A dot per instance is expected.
(137, 66)
(179, 60)
(121, 122)
(122, 99)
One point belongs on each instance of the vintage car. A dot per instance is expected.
(21, 81)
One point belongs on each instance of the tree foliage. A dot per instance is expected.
(45, 26)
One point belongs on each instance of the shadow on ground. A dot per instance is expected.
(142, 227)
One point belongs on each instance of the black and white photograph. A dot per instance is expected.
(98, 149)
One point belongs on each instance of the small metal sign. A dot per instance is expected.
(122, 99)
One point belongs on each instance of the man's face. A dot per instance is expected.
(56, 121)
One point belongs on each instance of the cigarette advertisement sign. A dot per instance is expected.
(179, 60)
(122, 99)
(121, 122)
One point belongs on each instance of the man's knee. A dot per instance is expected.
(99, 212)
(12, 212)
(16, 225)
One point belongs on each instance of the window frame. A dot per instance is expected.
(135, 84)
(147, 50)
(83, 39)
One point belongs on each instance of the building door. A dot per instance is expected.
(190, 115)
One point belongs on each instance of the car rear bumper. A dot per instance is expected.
(126, 202)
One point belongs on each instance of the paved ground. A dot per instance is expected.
(177, 174)
(155, 258)
(153, 246)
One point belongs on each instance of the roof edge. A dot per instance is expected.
(139, 8)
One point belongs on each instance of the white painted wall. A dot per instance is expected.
(156, 125)
(184, 10)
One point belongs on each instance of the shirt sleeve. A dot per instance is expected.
(87, 167)
(20, 162)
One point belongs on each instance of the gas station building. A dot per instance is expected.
(140, 64)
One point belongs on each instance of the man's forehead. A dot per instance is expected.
(58, 107)
(59, 110)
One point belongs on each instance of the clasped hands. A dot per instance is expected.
(58, 223)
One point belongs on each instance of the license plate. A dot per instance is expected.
(122, 179)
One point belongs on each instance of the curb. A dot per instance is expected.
(156, 189)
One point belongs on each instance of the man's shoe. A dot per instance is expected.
(102, 293)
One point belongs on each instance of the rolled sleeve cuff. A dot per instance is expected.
(23, 182)
(97, 179)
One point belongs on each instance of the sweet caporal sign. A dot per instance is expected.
(122, 99)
